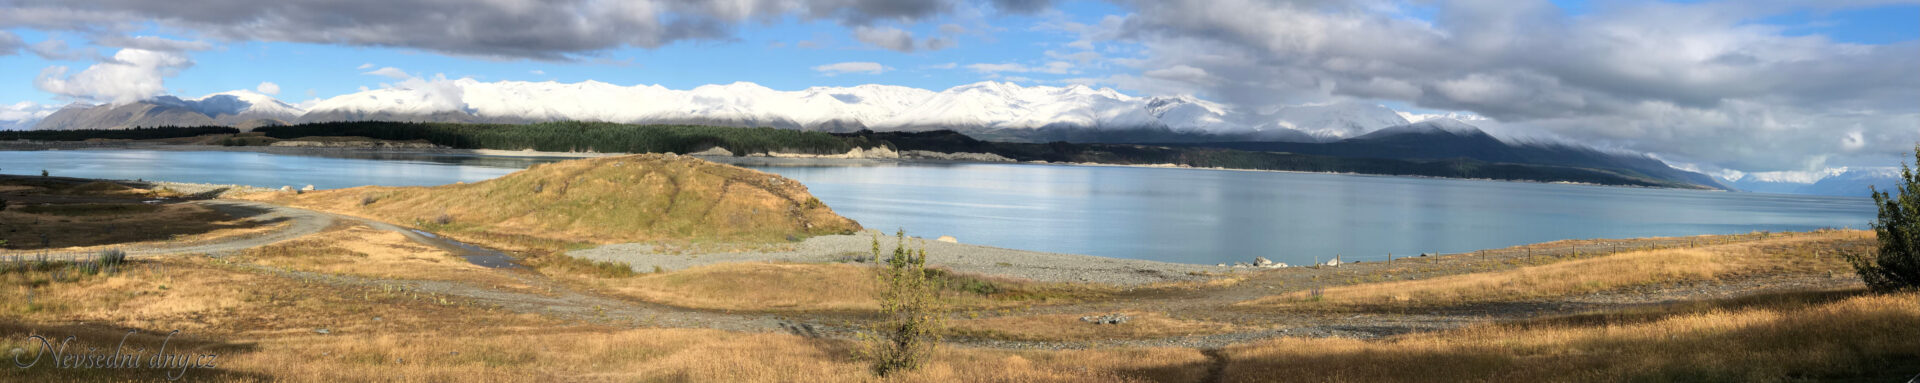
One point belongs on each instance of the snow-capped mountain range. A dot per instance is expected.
(989, 109)
(1840, 181)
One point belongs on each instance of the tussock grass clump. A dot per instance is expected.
(576, 265)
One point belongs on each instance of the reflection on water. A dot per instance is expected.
(1176, 215)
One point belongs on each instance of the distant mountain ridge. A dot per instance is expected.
(241, 109)
(1446, 138)
(1840, 182)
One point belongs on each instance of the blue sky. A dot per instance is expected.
(766, 53)
(771, 54)
(1722, 86)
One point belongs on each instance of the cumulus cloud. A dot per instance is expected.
(1696, 82)
(851, 67)
(535, 29)
(130, 75)
(267, 88)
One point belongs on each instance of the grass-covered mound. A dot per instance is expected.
(637, 198)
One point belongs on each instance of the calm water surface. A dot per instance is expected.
(1176, 215)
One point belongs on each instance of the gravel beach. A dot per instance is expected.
(960, 257)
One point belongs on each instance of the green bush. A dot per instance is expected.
(1896, 266)
(910, 305)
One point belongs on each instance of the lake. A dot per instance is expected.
(1175, 215)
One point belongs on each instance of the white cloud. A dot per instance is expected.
(1697, 82)
(851, 67)
(389, 72)
(538, 72)
(26, 110)
(1052, 67)
(365, 66)
(130, 75)
(267, 88)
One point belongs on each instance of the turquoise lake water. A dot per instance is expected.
(1175, 215)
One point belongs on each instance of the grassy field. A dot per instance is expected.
(1791, 337)
(1795, 253)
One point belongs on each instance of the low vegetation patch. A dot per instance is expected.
(1865, 338)
(1810, 253)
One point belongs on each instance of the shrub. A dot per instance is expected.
(909, 327)
(1896, 266)
(368, 200)
(443, 219)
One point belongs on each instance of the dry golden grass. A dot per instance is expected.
(756, 286)
(262, 326)
(587, 353)
(1065, 327)
(351, 248)
(603, 200)
(1789, 337)
(1788, 253)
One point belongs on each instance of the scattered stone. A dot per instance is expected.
(1221, 265)
(1333, 262)
(1114, 318)
(286, 188)
(1262, 262)
(1240, 264)
(307, 188)
(322, 331)
(1277, 265)
(947, 239)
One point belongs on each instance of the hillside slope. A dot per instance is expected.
(634, 198)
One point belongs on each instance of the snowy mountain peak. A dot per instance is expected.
(1332, 121)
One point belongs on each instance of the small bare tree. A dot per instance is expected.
(909, 326)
